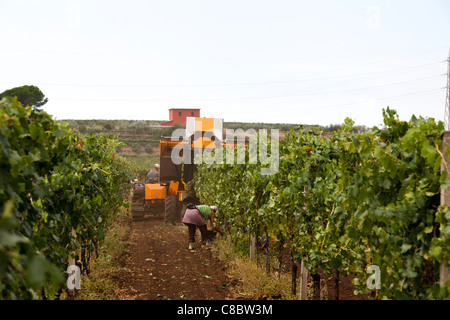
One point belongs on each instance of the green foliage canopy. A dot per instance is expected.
(27, 95)
(59, 192)
(346, 202)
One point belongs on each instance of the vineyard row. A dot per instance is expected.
(347, 202)
(59, 192)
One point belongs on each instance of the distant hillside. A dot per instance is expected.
(142, 136)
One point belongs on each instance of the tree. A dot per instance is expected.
(108, 126)
(27, 96)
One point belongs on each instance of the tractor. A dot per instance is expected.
(171, 194)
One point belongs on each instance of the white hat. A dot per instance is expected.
(156, 166)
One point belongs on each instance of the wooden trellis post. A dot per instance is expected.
(444, 271)
(252, 247)
(304, 273)
(303, 281)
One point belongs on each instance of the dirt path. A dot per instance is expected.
(157, 264)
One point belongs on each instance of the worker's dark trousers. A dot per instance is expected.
(203, 231)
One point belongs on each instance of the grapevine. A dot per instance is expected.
(59, 191)
(346, 202)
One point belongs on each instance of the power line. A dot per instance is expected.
(336, 93)
(305, 78)
(298, 93)
(355, 78)
(336, 106)
(367, 76)
(114, 55)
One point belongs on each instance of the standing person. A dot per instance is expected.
(154, 174)
(195, 217)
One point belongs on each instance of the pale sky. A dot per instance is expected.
(283, 61)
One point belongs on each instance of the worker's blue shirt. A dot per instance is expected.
(153, 174)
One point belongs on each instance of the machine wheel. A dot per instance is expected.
(138, 210)
(136, 197)
(139, 203)
(137, 214)
(171, 214)
(147, 207)
(183, 207)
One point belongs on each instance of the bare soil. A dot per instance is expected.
(157, 264)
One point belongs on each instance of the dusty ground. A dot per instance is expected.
(158, 264)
